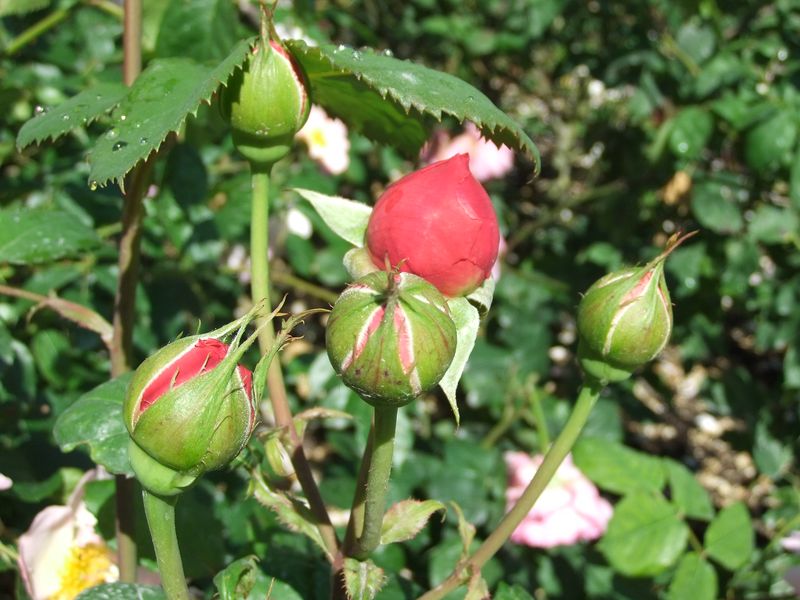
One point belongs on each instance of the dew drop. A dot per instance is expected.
(39, 110)
(356, 55)
(93, 185)
(123, 117)
(111, 134)
(119, 146)
(388, 52)
(683, 147)
(99, 96)
(143, 141)
(65, 118)
(470, 98)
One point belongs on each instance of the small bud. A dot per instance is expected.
(189, 409)
(625, 319)
(390, 337)
(437, 223)
(267, 103)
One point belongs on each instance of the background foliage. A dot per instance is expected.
(650, 117)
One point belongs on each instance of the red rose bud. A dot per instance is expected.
(390, 337)
(189, 409)
(625, 319)
(267, 103)
(437, 223)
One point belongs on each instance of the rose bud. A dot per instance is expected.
(189, 409)
(437, 223)
(625, 319)
(267, 103)
(390, 337)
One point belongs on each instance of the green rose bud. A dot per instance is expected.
(189, 409)
(390, 337)
(267, 103)
(625, 319)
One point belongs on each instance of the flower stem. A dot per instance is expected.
(36, 30)
(552, 460)
(259, 266)
(539, 418)
(160, 513)
(378, 455)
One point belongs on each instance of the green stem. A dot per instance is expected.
(259, 269)
(36, 30)
(552, 460)
(368, 533)
(160, 513)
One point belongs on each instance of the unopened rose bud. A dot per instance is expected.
(267, 103)
(390, 337)
(625, 319)
(189, 409)
(437, 223)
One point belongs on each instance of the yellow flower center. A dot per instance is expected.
(85, 567)
(317, 138)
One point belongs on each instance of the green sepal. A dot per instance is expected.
(155, 477)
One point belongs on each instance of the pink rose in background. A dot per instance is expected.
(486, 160)
(327, 141)
(569, 510)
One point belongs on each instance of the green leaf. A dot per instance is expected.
(290, 511)
(774, 225)
(237, 580)
(95, 419)
(201, 30)
(694, 578)
(405, 520)
(483, 296)
(508, 592)
(76, 112)
(687, 493)
(617, 468)
(794, 181)
(347, 218)
(467, 321)
(715, 209)
(771, 456)
(696, 41)
(363, 580)
(392, 101)
(38, 235)
(730, 539)
(690, 131)
(158, 103)
(123, 591)
(20, 7)
(645, 536)
(768, 144)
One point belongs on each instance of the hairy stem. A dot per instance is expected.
(552, 460)
(160, 513)
(259, 265)
(378, 456)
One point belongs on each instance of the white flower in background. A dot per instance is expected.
(298, 223)
(61, 554)
(327, 141)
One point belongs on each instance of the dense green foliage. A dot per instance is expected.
(650, 117)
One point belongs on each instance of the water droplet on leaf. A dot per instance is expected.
(39, 110)
(143, 141)
(65, 118)
(123, 117)
(119, 146)
(111, 134)
(93, 185)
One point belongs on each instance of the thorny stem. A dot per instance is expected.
(259, 265)
(552, 460)
(125, 296)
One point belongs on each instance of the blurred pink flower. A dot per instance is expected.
(5, 483)
(791, 543)
(486, 160)
(61, 554)
(327, 141)
(569, 510)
